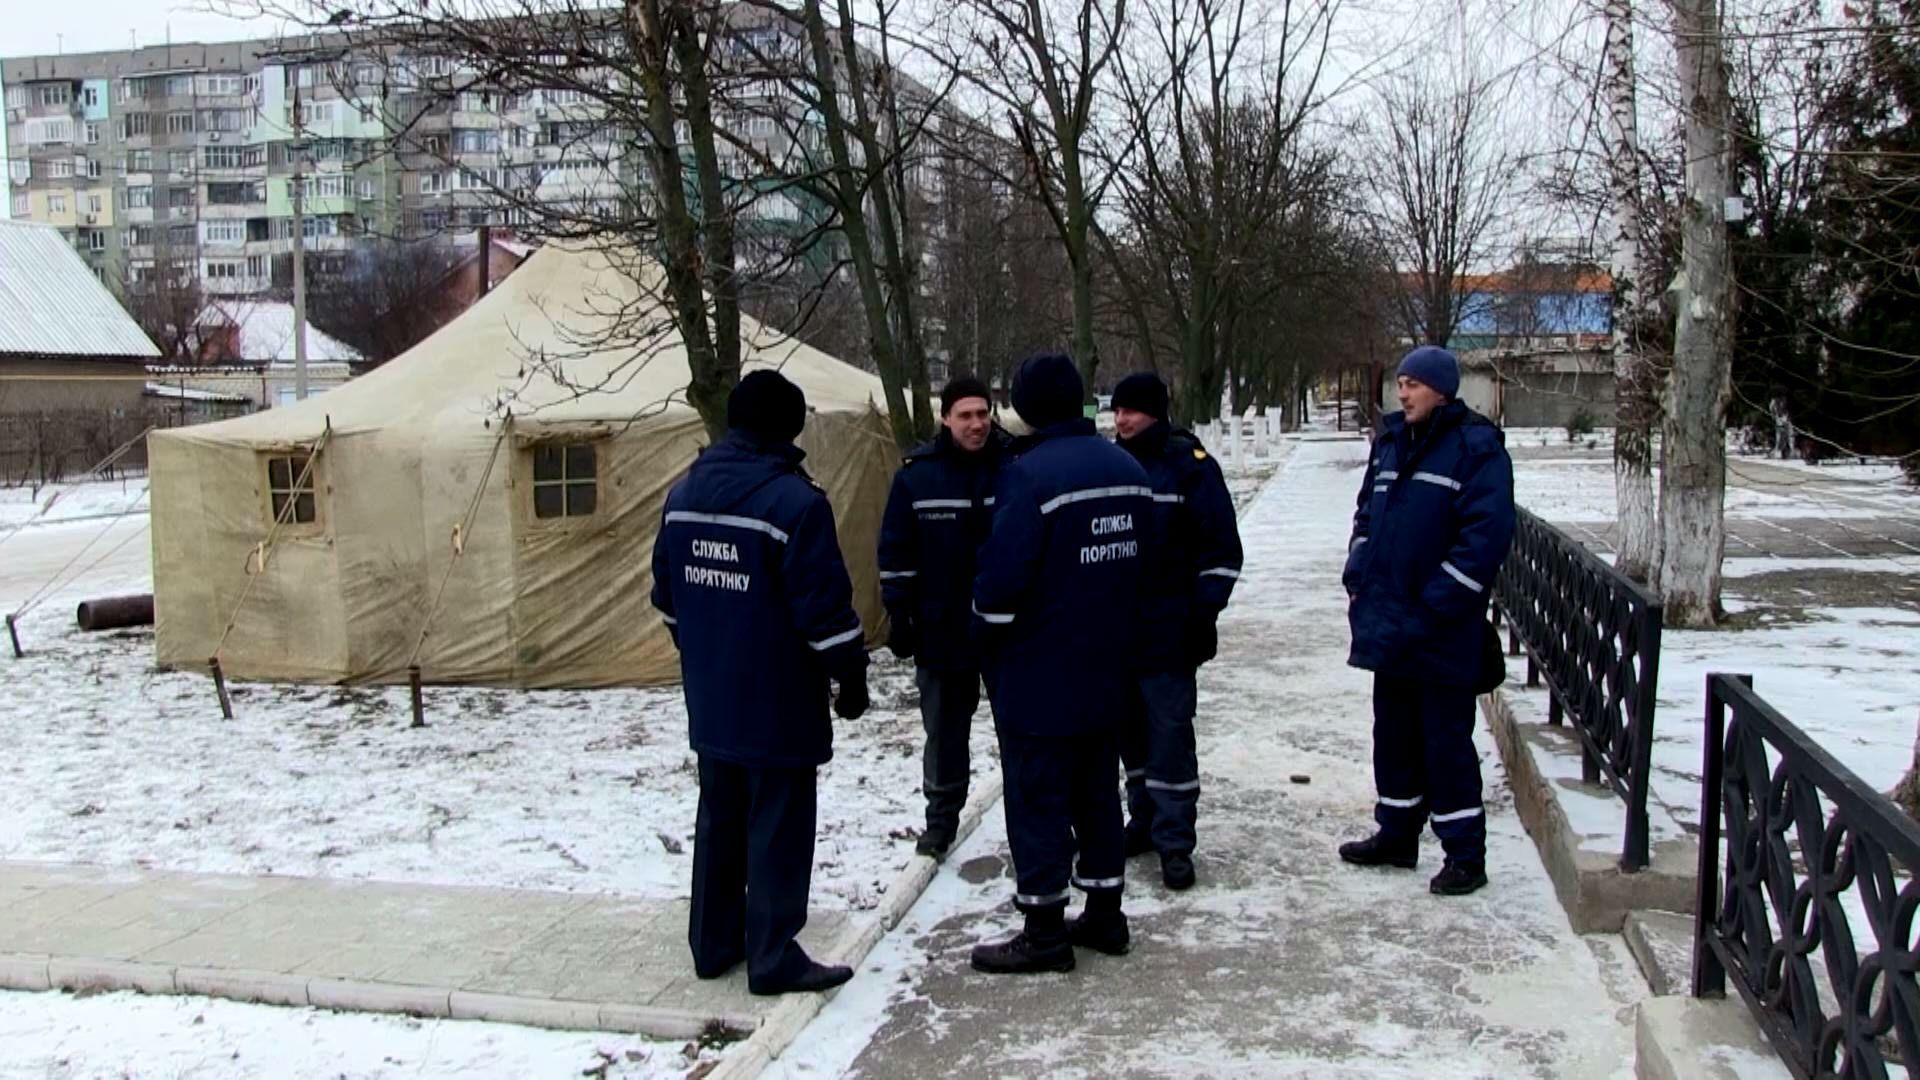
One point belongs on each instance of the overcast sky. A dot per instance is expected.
(32, 27)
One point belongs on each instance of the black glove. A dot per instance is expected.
(851, 704)
(904, 640)
(1202, 639)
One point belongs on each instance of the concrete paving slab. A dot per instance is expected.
(1687, 1038)
(1662, 944)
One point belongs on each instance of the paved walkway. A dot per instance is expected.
(1282, 961)
(548, 959)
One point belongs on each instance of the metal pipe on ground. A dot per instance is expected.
(115, 612)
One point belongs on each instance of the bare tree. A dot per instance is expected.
(1440, 172)
(165, 298)
(1216, 159)
(384, 298)
(1044, 64)
(1693, 483)
(1633, 371)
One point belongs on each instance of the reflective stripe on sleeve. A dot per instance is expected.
(1454, 572)
(732, 521)
(1436, 478)
(992, 617)
(1459, 815)
(837, 639)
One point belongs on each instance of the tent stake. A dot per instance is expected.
(220, 687)
(413, 684)
(13, 633)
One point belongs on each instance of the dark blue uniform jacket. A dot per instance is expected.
(747, 571)
(938, 515)
(1193, 570)
(1434, 521)
(1056, 598)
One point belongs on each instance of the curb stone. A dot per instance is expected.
(856, 941)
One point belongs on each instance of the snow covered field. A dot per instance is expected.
(1833, 642)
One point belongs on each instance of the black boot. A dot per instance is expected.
(1176, 869)
(815, 976)
(1459, 878)
(1139, 840)
(1382, 850)
(1102, 927)
(1042, 946)
(935, 841)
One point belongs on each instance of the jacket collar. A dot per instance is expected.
(942, 444)
(1150, 442)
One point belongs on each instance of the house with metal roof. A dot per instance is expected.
(72, 361)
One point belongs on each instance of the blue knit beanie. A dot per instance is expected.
(1047, 390)
(1434, 366)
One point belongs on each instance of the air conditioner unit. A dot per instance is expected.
(540, 111)
(93, 219)
(213, 136)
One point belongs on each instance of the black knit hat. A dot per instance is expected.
(1047, 390)
(959, 389)
(767, 406)
(1142, 391)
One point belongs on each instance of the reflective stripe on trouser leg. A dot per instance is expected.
(948, 700)
(1452, 766)
(1097, 827)
(1399, 760)
(1038, 805)
(1173, 763)
(1133, 755)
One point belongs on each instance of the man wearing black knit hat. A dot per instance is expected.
(748, 577)
(1052, 603)
(937, 517)
(1186, 587)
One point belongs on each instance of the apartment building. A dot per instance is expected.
(182, 158)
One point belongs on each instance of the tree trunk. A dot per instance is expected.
(1633, 442)
(1694, 435)
(1907, 791)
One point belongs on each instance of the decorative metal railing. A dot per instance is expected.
(1593, 636)
(1817, 923)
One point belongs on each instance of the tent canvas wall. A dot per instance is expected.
(565, 496)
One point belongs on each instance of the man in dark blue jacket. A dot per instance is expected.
(1187, 584)
(1434, 521)
(1055, 607)
(937, 517)
(748, 576)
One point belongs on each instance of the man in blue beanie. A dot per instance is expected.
(1434, 521)
(1054, 610)
(747, 575)
(1186, 587)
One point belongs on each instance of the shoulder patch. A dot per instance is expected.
(1199, 454)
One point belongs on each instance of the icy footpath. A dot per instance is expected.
(1282, 961)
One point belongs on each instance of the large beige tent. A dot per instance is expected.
(521, 416)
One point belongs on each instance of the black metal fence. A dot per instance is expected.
(1816, 862)
(1593, 636)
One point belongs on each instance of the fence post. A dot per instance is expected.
(1709, 975)
(1646, 690)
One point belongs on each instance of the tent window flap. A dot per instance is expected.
(565, 480)
(286, 484)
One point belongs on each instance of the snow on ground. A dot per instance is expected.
(1574, 487)
(21, 506)
(59, 1036)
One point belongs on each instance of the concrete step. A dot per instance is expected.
(1686, 1038)
(1662, 941)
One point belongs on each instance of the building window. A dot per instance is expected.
(19, 170)
(93, 168)
(22, 206)
(179, 86)
(289, 493)
(364, 187)
(93, 132)
(224, 232)
(96, 240)
(180, 235)
(43, 130)
(94, 202)
(225, 270)
(137, 197)
(91, 96)
(56, 94)
(134, 125)
(180, 161)
(257, 266)
(56, 203)
(16, 97)
(140, 161)
(61, 168)
(180, 123)
(564, 481)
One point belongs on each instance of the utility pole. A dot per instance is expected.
(1694, 482)
(299, 150)
(1633, 378)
